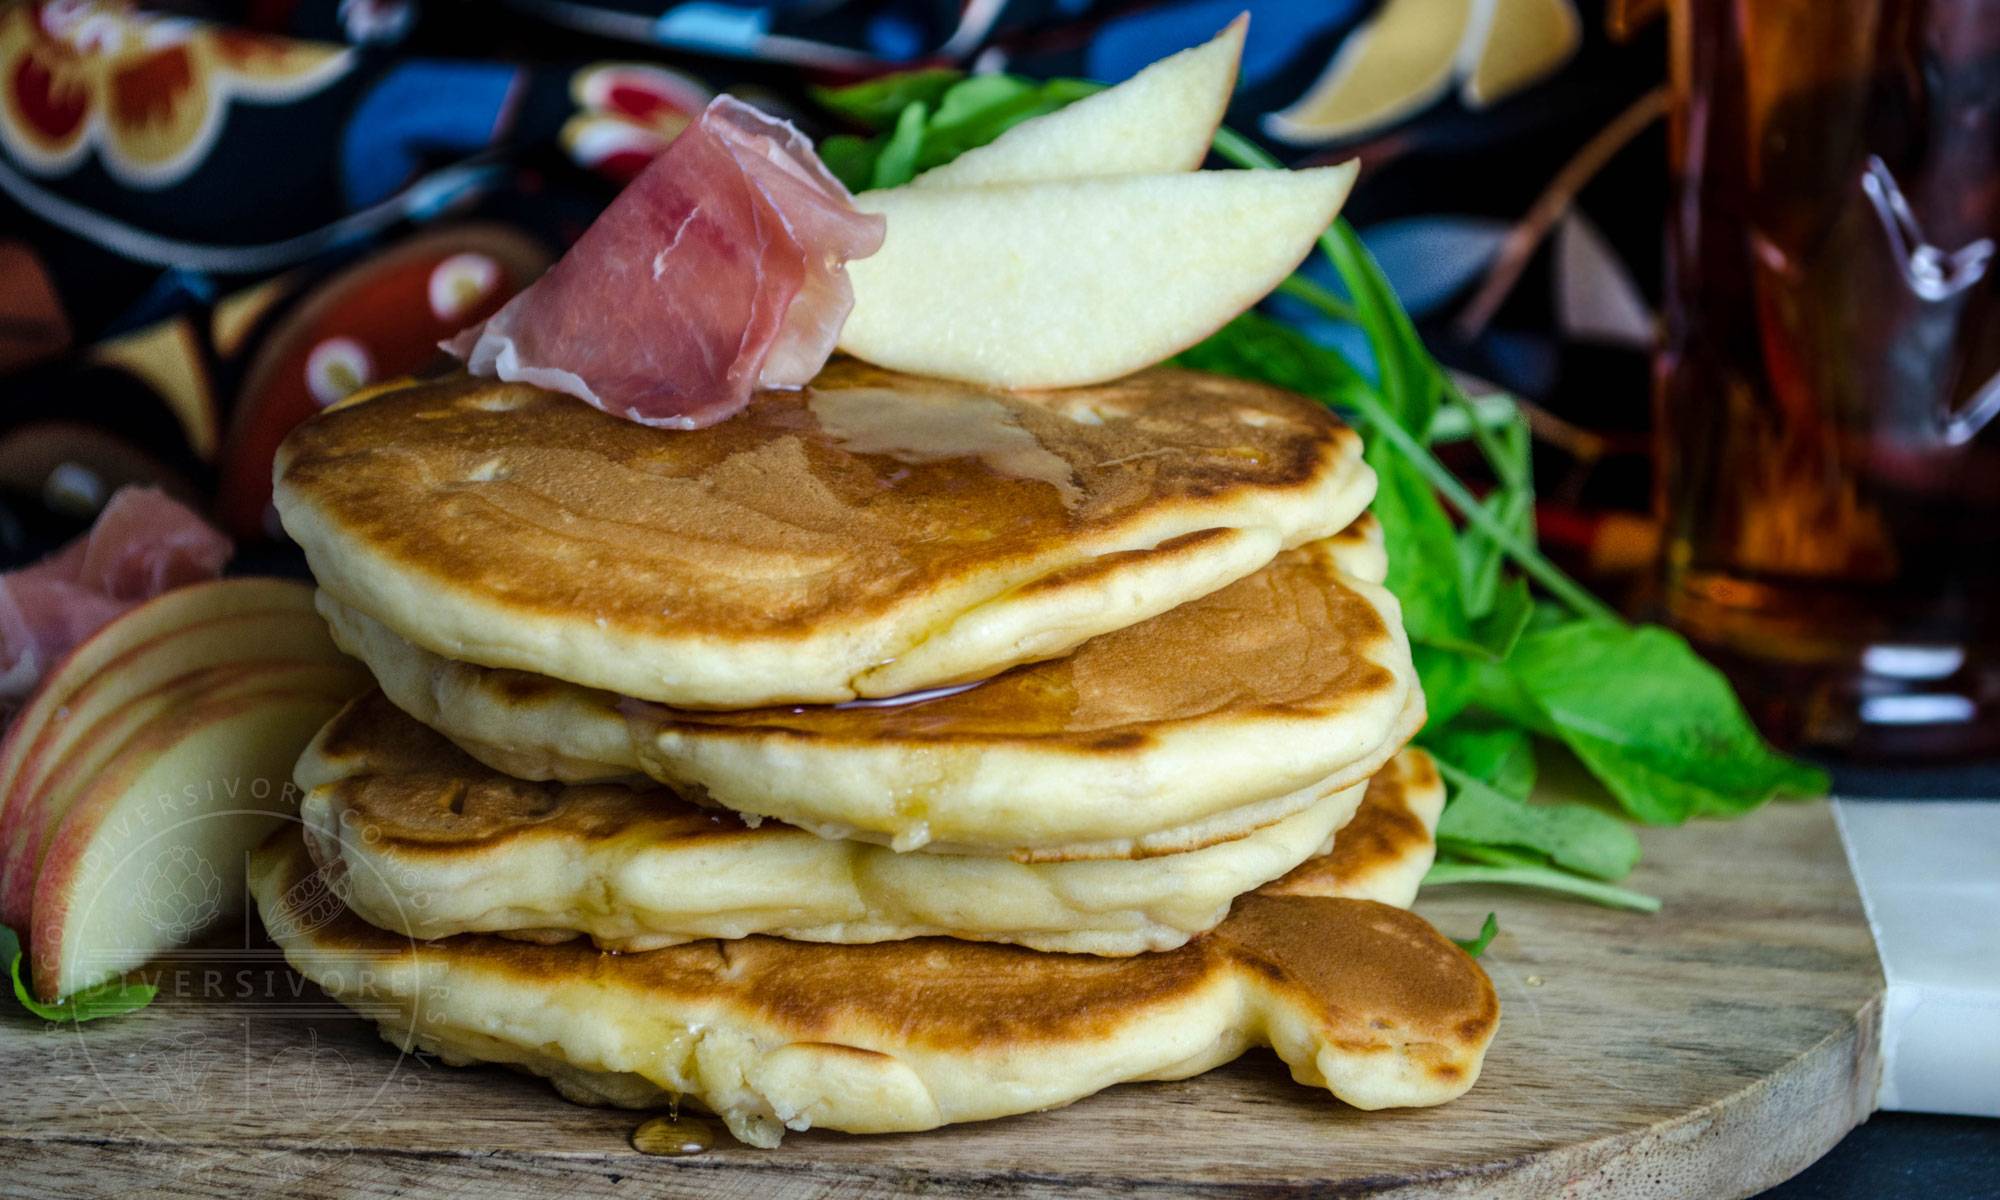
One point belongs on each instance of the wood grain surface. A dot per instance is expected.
(1709, 1051)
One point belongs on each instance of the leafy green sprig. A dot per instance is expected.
(1476, 946)
(112, 998)
(1507, 673)
(927, 118)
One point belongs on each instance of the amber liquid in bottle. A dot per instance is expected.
(1829, 394)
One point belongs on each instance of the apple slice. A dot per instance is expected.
(1159, 121)
(41, 809)
(143, 668)
(1058, 284)
(104, 653)
(152, 850)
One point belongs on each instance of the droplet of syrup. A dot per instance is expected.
(673, 1135)
(1534, 981)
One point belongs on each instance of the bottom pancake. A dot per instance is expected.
(418, 837)
(1365, 1000)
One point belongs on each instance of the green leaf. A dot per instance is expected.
(896, 162)
(851, 159)
(1480, 557)
(1255, 347)
(928, 118)
(1500, 755)
(1411, 383)
(1377, 417)
(1659, 726)
(1573, 836)
(979, 97)
(109, 999)
(1487, 932)
(879, 103)
(1449, 680)
(1451, 849)
(1419, 536)
(1506, 616)
(982, 108)
(1547, 878)
(1394, 414)
(1299, 287)
(1061, 91)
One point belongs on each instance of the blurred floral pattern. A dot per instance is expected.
(145, 93)
(217, 216)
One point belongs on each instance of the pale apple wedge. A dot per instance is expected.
(1059, 284)
(97, 654)
(201, 645)
(1159, 121)
(152, 851)
(94, 749)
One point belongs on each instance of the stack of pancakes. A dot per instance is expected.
(892, 754)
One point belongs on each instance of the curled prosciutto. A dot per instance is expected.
(143, 543)
(718, 270)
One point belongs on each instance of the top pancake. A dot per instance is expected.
(872, 535)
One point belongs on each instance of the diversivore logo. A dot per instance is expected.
(234, 1033)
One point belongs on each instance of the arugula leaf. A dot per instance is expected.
(1498, 629)
(1512, 506)
(109, 999)
(1487, 932)
(1411, 380)
(983, 107)
(879, 103)
(927, 118)
(983, 98)
(851, 159)
(1576, 837)
(1499, 755)
(1546, 878)
(896, 161)
(1419, 536)
(1255, 347)
(1450, 681)
(1657, 724)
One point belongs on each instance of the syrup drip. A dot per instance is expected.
(923, 427)
(673, 1135)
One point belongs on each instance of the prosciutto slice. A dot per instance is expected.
(718, 270)
(143, 543)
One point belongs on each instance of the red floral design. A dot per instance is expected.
(147, 92)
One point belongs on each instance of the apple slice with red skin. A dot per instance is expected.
(145, 667)
(111, 652)
(193, 789)
(40, 811)
(84, 750)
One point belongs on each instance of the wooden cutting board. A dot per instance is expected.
(1709, 1051)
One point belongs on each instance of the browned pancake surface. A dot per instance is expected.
(418, 791)
(767, 523)
(1384, 832)
(1290, 641)
(1378, 978)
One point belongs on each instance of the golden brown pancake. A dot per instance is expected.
(1365, 1000)
(417, 837)
(872, 535)
(1384, 850)
(1227, 713)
